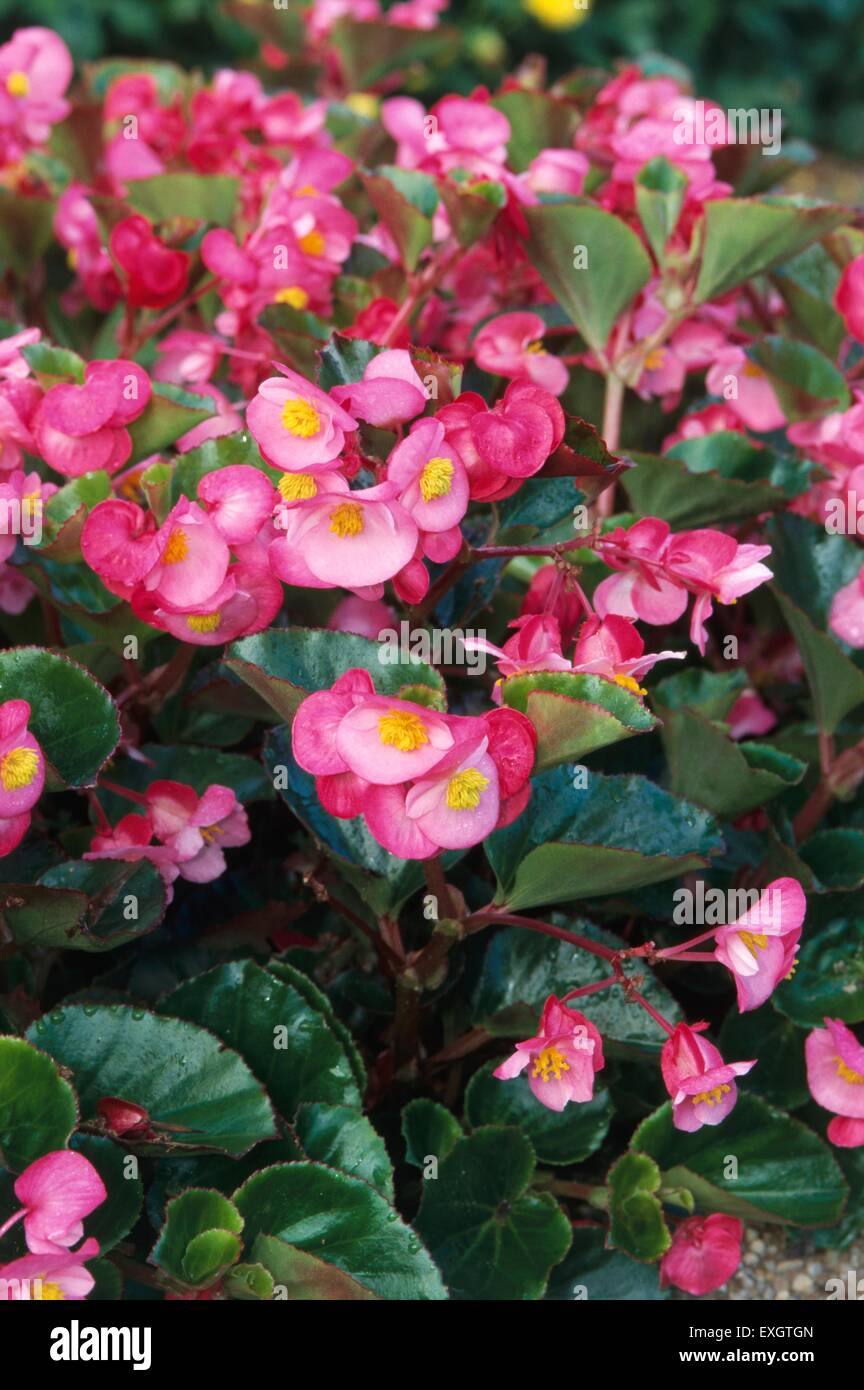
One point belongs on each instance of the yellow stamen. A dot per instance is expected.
(293, 295)
(536, 347)
(463, 790)
(47, 1291)
(177, 548)
(346, 519)
(204, 622)
(402, 729)
(628, 683)
(312, 244)
(847, 1073)
(363, 104)
(307, 191)
(72, 258)
(436, 479)
(654, 361)
(297, 487)
(550, 1064)
(209, 833)
(751, 369)
(300, 418)
(712, 1097)
(753, 942)
(18, 84)
(18, 767)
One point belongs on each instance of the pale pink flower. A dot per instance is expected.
(564, 1056)
(701, 1085)
(759, 947)
(835, 1075)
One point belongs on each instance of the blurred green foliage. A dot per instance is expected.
(803, 56)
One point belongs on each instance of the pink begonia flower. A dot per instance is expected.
(714, 566)
(19, 401)
(535, 646)
(511, 441)
(238, 499)
(389, 394)
(35, 70)
(297, 426)
(79, 429)
(712, 419)
(197, 829)
(247, 602)
(50, 1277)
(846, 618)
(131, 840)
(612, 647)
(564, 1055)
(416, 14)
(76, 227)
(156, 275)
(456, 804)
(755, 401)
(512, 345)
(701, 1085)
(836, 439)
(16, 592)
(119, 542)
(22, 773)
(759, 947)
(22, 496)
(225, 420)
(159, 130)
(56, 1192)
(366, 617)
(188, 358)
(835, 1075)
(431, 480)
(750, 716)
(325, 13)
(13, 365)
(191, 558)
(566, 607)
(458, 133)
(704, 1254)
(849, 298)
(336, 537)
(557, 171)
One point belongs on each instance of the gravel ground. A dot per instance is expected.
(780, 1266)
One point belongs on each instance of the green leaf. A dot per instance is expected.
(52, 364)
(67, 510)
(809, 564)
(198, 767)
(575, 714)
(318, 1000)
(744, 236)
(188, 1081)
(343, 1138)
(344, 360)
(206, 197)
(472, 207)
(558, 1138)
(200, 1237)
(82, 905)
(26, 231)
(829, 977)
(341, 1220)
(702, 482)
(296, 1276)
(209, 457)
(712, 693)
(170, 413)
(781, 1076)
(537, 122)
(743, 775)
(636, 1224)
(404, 200)
(38, 1109)
(249, 1281)
(806, 382)
(660, 188)
(491, 1235)
(114, 1218)
(836, 857)
(369, 51)
(617, 264)
(591, 1271)
(283, 665)
(616, 833)
(521, 969)
(289, 1045)
(71, 715)
(785, 1173)
(429, 1131)
(837, 686)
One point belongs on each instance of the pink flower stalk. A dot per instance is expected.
(297, 426)
(390, 393)
(704, 1254)
(849, 298)
(50, 1277)
(759, 948)
(22, 773)
(78, 429)
(835, 1075)
(564, 1055)
(701, 1085)
(512, 345)
(612, 647)
(755, 401)
(56, 1192)
(155, 275)
(511, 441)
(846, 618)
(336, 537)
(35, 70)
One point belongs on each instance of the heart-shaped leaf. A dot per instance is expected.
(38, 1108)
(558, 1138)
(71, 714)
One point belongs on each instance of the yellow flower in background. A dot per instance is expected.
(363, 104)
(558, 14)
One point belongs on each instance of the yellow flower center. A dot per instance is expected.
(177, 548)
(204, 622)
(752, 369)
(463, 790)
(628, 683)
(307, 191)
(209, 833)
(18, 84)
(300, 418)
(711, 1097)
(536, 347)
(293, 295)
(402, 729)
(18, 767)
(654, 361)
(753, 942)
(550, 1064)
(347, 519)
(48, 1291)
(436, 479)
(312, 244)
(72, 258)
(297, 487)
(847, 1073)
(363, 104)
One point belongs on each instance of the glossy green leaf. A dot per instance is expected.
(564, 1137)
(781, 1076)
(660, 188)
(744, 236)
(170, 413)
(71, 715)
(114, 1218)
(296, 1276)
(200, 1237)
(206, 197)
(829, 978)
(636, 1222)
(743, 775)
(575, 714)
(807, 383)
(592, 1271)
(705, 482)
(404, 200)
(86, 905)
(429, 1131)
(38, 1108)
(837, 686)
(343, 1138)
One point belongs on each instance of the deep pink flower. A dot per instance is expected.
(156, 275)
(366, 617)
(56, 1192)
(849, 298)
(759, 948)
(755, 401)
(557, 171)
(564, 1055)
(197, 829)
(835, 1075)
(35, 70)
(535, 646)
(701, 1085)
(77, 228)
(846, 619)
(750, 716)
(612, 647)
(82, 428)
(192, 557)
(297, 426)
(246, 602)
(512, 345)
(50, 1277)
(705, 1253)
(511, 441)
(389, 394)
(119, 542)
(22, 773)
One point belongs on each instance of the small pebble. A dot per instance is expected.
(802, 1283)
